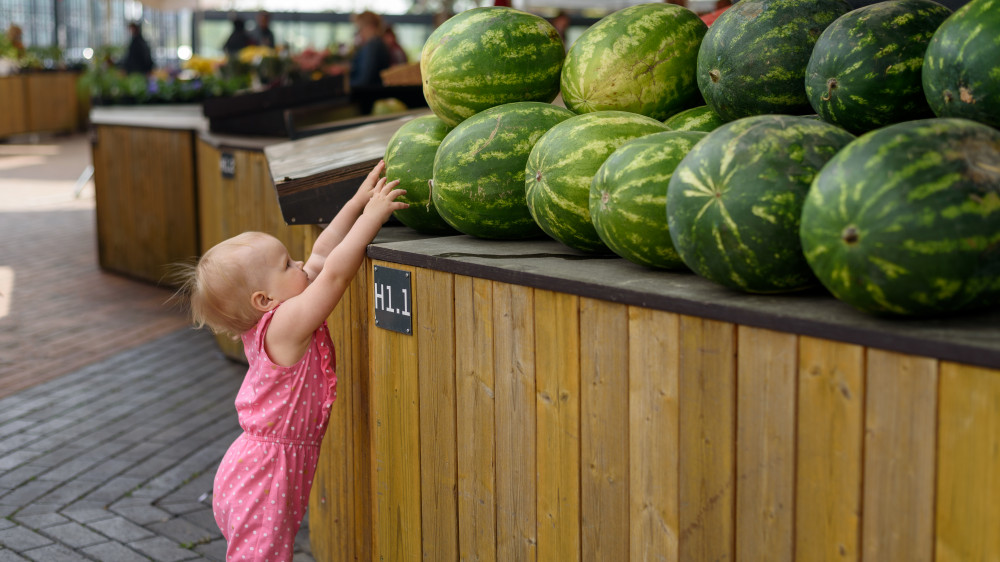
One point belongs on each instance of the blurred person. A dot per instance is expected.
(561, 23)
(137, 58)
(263, 35)
(396, 53)
(238, 39)
(371, 55)
(15, 36)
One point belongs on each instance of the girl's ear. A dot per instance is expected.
(260, 301)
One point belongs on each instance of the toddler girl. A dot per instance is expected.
(249, 286)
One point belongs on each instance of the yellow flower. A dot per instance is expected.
(249, 55)
(201, 65)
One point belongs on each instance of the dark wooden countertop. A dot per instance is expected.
(545, 264)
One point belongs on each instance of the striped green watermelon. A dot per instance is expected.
(479, 169)
(640, 59)
(753, 59)
(562, 165)
(700, 118)
(490, 56)
(628, 197)
(961, 74)
(735, 200)
(905, 220)
(409, 157)
(865, 69)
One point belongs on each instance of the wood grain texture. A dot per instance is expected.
(707, 413)
(604, 453)
(514, 361)
(765, 444)
(968, 456)
(557, 369)
(474, 383)
(396, 433)
(435, 334)
(14, 117)
(51, 101)
(363, 470)
(900, 440)
(831, 401)
(654, 371)
(145, 190)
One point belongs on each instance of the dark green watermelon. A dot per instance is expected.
(479, 169)
(753, 58)
(628, 197)
(905, 220)
(961, 73)
(409, 158)
(700, 118)
(735, 201)
(865, 69)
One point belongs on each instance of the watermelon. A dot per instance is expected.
(734, 202)
(865, 69)
(905, 220)
(961, 73)
(753, 59)
(562, 165)
(628, 197)
(640, 59)
(409, 157)
(490, 56)
(700, 118)
(479, 169)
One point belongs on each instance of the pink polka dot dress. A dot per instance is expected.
(262, 487)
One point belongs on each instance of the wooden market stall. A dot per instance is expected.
(520, 400)
(40, 102)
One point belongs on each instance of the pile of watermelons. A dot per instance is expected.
(793, 143)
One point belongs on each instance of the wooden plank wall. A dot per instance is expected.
(146, 203)
(52, 103)
(522, 424)
(14, 115)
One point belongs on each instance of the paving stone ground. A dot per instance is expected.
(113, 414)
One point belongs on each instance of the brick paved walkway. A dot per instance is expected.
(115, 414)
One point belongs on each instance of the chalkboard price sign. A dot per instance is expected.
(392, 300)
(227, 164)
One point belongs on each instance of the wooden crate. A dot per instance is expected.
(14, 117)
(52, 101)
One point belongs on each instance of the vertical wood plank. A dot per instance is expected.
(435, 333)
(654, 363)
(395, 397)
(604, 499)
(474, 383)
(363, 467)
(707, 407)
(557, 368)
(900, 423)
(968, 480)
(14, 117)
(765, 444)
(514, 360)
(831, 400)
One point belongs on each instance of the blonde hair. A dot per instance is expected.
(219, 286)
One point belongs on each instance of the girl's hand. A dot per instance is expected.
(367, 187)
(383, 200)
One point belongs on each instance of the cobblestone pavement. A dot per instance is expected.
(113, 414)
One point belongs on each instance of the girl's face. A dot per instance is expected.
(281, 277)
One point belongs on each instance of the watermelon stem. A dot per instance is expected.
(850, 235)
(714, 74)
(831, 85)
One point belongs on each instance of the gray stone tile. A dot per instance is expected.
(142, 514)
(106, 469)
(40, 521)
(37, 508)
(215, 550)
(181, 508)
(87, 512)
(8, 509)
(182, 531)
(303, 557)
(74, 535)
(28, 492)
(116, 488)
(10, 556)
(113, 552)
(16, 458)
(205, 519)
(68, 493)
(120, 529)
(21, 539)
(54, 553)
(163, 550)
